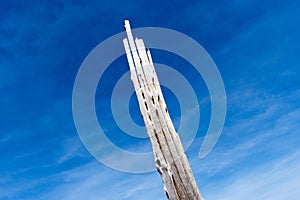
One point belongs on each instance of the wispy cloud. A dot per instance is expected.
(278, 179)
(93, 181)
(253, 134)
(256, 159)
(71, 147)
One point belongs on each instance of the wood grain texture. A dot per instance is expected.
(170, 159)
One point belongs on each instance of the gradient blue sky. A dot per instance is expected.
(255, 45)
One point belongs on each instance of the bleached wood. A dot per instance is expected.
(170, 159)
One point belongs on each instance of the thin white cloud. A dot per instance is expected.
(70, 148)
(277, 177)
(93, 181)
(250, 136)
(276, 180)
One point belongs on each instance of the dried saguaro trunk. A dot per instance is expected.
(171, 161)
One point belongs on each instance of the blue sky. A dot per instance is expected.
(255, 45)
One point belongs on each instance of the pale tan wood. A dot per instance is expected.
(170, 159)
